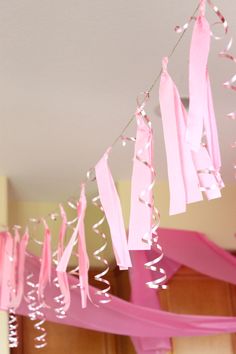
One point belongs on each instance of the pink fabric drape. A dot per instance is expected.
(140, 224)
(143, 296)
(121, 317)
(112, 209)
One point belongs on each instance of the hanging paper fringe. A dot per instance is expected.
(6, 270)
(61, 280)
(83, 259)
(191, 171)
(78, 237)
(111, 205)
(181, 170)
(46, 260)
(141, 210)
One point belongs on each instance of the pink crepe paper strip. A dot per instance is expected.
(112, 208)
(201, 110)
(181, 170)
(199, 51)
(46, 263)
(21, 269)
(140, 224)
(192, 171)
(14, 268)
(6, 270)
(62, 276)
(62, 265)
(82, 252)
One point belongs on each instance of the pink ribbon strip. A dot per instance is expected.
(112, 208)
(14, 268)
(200, 46)
(62, 265)
(181, 170)
(21, 269)
(140, 224)
(62, 276)
(82, 252)
(46, 260)
(7, 265)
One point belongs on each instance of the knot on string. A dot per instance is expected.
(165, 61)
(202, 6)
(141, 100)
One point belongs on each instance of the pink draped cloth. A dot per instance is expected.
(150, 325)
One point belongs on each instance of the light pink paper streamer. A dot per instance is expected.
(21, 269)
(181, 170)
(14, 268)
(82, 252)
(200, 46)
(62, 276)
(140, 224)
(6, 270)
(46, 263)
(62, 265)
(112, 208)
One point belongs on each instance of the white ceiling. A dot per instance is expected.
(69, 75)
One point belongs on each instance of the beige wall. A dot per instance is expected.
(216, 218)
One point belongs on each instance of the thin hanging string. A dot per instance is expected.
(54, 215)
(156, 79)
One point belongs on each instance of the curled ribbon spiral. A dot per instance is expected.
(13, 325)
(35, 312)
(151, 236)
(201, 6)
(103, 293)
(59, 300)
(230, 84)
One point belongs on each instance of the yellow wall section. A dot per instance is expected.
(215, 218)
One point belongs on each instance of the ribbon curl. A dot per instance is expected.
(104, 296)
